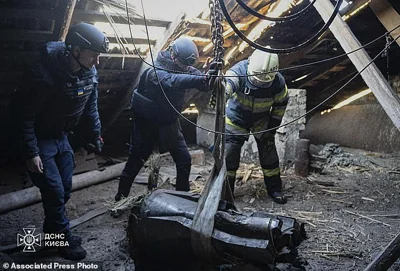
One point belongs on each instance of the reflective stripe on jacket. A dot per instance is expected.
(250, 107)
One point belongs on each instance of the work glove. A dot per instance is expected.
(212, 72)
(95, 146)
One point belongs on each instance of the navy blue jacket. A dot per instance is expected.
(51, 99)
(174, 84)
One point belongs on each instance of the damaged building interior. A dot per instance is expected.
(337, 139)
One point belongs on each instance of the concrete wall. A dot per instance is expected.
(285, 138)
(364, 127)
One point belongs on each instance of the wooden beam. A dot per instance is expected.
(26, 35)
(387, 257)
(387, 15)
(129, 40)
(118, 55)
(27, 13)
(372, 76)
(109, 72)
(286, 60)
(322, 70)
(96, 16)
(125, 99)
(62, 25)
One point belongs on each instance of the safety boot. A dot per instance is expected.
(74, 250)
(124, 188)
(274, 188)
(278, 197)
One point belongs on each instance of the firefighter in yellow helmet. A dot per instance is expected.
(255, 103)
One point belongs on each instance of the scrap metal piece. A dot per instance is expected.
(161, 229)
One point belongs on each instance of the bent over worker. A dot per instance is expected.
(55, 93)
(155, 120)
(256, 102)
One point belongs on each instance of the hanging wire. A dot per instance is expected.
(279, 50)
(266, 130)
(256, 74)
(276, 19)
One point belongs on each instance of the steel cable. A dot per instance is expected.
(276, 19)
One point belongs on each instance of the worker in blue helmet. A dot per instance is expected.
(53, 96)
(155, 119)
(257, 100)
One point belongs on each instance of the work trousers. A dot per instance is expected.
(145, 136)
(55, 182)
(268, 156)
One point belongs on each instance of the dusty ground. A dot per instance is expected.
(347, 222)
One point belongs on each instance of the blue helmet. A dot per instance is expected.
(185, 50)
(87, 36)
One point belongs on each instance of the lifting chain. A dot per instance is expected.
(217, 39)
(203, 222)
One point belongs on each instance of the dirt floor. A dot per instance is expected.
(351, 210)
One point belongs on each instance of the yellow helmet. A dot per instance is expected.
(262, 62)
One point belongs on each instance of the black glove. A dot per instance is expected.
(213, 72)
(95, 146)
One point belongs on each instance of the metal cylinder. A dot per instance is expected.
(302, 160)
(161, 229)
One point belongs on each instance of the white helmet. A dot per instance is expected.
(262, 62)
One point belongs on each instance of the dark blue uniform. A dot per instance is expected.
(158, 121)
(48, 105)
(253, 109)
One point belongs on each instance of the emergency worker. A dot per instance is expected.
(256, 102)
(54, 94)
(155, 119)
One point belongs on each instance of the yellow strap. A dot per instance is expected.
(271, 172)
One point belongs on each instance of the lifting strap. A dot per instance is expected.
(216, 187)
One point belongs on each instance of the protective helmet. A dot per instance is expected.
(87, 36)
(262, 62)
(185, 50)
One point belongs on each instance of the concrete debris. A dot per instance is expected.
(332, 157)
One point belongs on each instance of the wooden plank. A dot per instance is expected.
(62, 25)
(26, 35)
(321, 71)
(387, 15)
(387, 257)
(129, 40)
(96, 16)
(287, 59)
(118, 55)
(125, 99)
(109, 72)
(372, 76)
(27, 13)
